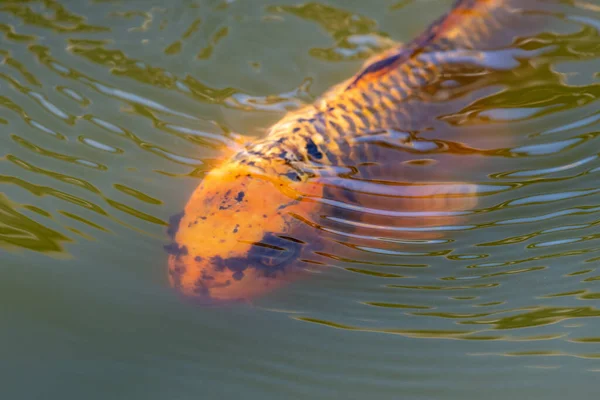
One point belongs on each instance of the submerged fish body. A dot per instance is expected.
(248, 222)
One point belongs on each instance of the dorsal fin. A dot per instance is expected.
(464, 13)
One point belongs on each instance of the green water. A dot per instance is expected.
(112, 111)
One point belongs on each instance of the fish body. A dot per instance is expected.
(248, 221)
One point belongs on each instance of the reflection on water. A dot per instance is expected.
(111, 114)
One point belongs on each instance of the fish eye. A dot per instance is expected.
(272, 262)
(273, 256)
(274, 252)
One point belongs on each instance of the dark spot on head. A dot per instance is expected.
(295, 130)
(174, 221)
(235, 230)
(218, 263)
(240, 196)
(203, 218)
(236, 264)
(313, 150)
(175, 250)
(238, 275)
(269, 256)
(264, 215)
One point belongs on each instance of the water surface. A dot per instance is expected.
(111, 112)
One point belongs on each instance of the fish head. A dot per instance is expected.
(235, 239)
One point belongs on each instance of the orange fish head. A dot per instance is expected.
(234, 240)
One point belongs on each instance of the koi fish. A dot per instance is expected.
(248, 222)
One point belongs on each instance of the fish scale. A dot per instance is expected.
(377, 97)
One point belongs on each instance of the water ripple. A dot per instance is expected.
(483, 243)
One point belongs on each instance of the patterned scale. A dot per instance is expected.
(401, 90)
